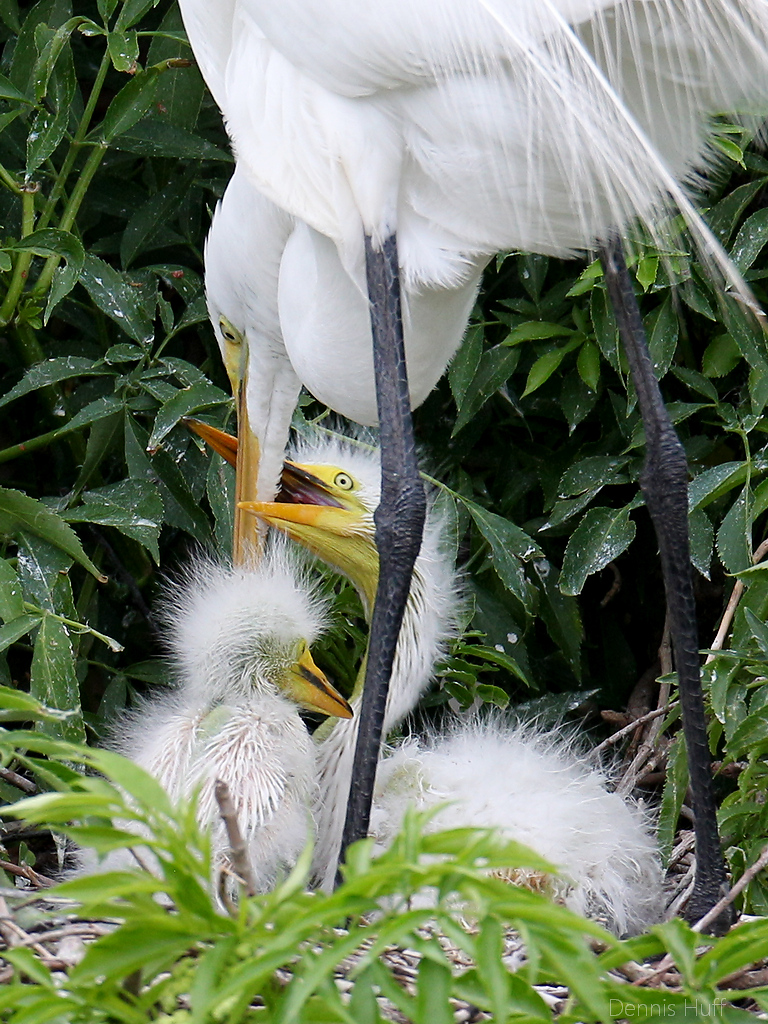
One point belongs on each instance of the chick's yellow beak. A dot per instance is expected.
(309, 687)
(331, 524)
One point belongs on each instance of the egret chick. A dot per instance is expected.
(239, 640)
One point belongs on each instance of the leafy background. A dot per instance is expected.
(112, 158)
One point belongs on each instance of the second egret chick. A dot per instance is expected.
(538, 789)
(239, 640)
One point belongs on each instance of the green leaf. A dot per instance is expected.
(152, 137)
(510, 546)
(11, 598)
(51, 371)
(600, 537)
(749, 735)
(114, 296)
(714, 483)
(588, 365)
(734, 538)
(720, 357)
(433, 993)
(184, 402)
(17, 512)
(134, 507)
(130, 105)
(590, 473)
(674, 793)
(16, 628)
(702, 538)
(546, 365)
(663, 329)
(53, 680)
(496, 366)
(536, 330)
(123, 50)
(750, 241)
(465, 363)
(8, 91)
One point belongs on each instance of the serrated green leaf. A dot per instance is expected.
(152, 138)
(188, 400)
(734, 538)
(750, 735)
(465, 363)
(113, 295)
(53, 681)
(720, 357)
(510, 546)
(702, 537)
(17, 511)
(545, 366)
(602, 535)
(134, 507)
(588, 365)
(130, 104)
(51, 371)
(590, 473)
(496, 366)
(11, 597)
(662, 328)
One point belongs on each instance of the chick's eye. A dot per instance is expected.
(343, 481)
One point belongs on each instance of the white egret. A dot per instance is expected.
(487, 124)
(239, 641)
(536, 789)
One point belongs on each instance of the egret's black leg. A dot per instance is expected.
(399, 523)
(664, 481)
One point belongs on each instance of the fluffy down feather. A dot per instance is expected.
(538, 790)
(231, 634)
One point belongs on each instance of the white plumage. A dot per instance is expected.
(537, 789)
(233, 636)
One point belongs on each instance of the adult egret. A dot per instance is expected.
(239, 641)
(543, 124)
(276, 290)
(536, 789)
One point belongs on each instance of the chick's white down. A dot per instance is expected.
(231, 634)
(537, 789)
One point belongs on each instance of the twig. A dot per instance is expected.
(23, 871)
(716, 911)
(729, 897)
(237, 845)
(25, 785)
(616, 736)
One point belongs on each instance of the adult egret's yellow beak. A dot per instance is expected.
(309, 687)
(224, 444)
(318, 508)
(328, 519)
(245, 458)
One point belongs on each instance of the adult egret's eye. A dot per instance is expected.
(228, 331)
(343, 481)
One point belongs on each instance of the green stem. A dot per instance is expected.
(9, 182)
(95, 157)
(34, 443)
(23, 259)
(77, 141)
(76, 627)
